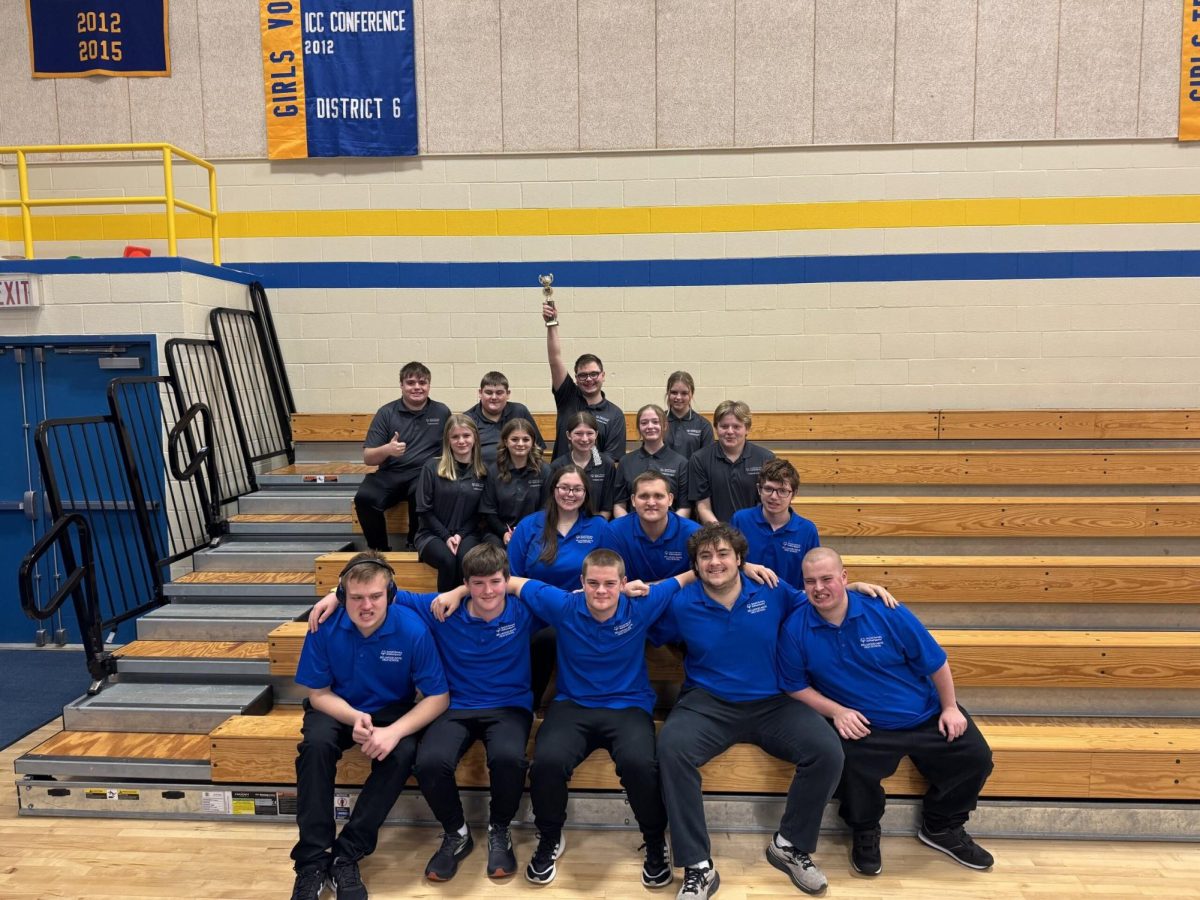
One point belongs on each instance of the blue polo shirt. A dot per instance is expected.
(487, 663)
(781, 550)
(878, 661)
(646, 559)
(526, 546)
(601, 664)
(374, 672)
(730, 652)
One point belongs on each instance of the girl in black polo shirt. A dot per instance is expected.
(516, 483)
(601, 471)
(448, 499)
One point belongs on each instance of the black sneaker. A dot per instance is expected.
(443, 864)
(958, 845)
(541, 868)
(699, 884)
(864, 852)
(656, 868)
(310, 883)
(502, 862)
(347, 883)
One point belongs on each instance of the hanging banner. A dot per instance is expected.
(1189, 79)
(339, 78)
(73, 38)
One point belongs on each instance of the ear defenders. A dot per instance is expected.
(380, 564)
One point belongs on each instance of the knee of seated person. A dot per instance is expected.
(550, 760)
(318, 749)
(673, 744)
(507, 759)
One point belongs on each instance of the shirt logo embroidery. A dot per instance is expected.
(507, 630)
(792, 547)
(584, 539)
(623, 628)
(756, 606)
(870, 641)
(391, 656)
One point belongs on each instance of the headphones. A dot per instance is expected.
(378, 563)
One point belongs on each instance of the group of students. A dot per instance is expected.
(765, 662)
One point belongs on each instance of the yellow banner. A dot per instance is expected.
(1189, 78)
(283, 78)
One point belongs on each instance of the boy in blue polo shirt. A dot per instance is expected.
(886, 685)
(362, 671)
(776, 536)
(485, 648)
(730, 626)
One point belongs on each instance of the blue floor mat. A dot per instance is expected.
(34, 687)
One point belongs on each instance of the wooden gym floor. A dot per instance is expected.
(110, 858)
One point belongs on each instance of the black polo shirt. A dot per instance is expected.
(489, 431)
(448, 507)
(421, 430)
(601, 480)
(522, 495)
(687, 435)
(568, 400)
(729, 486)
(666, 462)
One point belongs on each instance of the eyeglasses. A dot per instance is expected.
(775, 491)
(587, 376)
(570, 489)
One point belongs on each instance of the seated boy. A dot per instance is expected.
(485, 647)
(884, 682)
(362, 671)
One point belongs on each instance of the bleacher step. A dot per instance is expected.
(297, 500)
(171, 708)
(217, 622)
(302, 525)
(267, 555)
(219, 660)
(119, 755)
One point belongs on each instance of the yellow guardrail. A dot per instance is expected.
(167, 198)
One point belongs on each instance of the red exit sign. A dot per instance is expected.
(18, 291)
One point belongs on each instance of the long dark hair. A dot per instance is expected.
(550, 531)
(585, 418)
(503, 463)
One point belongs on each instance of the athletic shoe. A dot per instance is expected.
(310, 883)
(502, 862)
(958, 845)
(864, 852)
(699, 884)
(444, 863)
(798, 866)
(656, 869)
(347, 883)
(541, 868)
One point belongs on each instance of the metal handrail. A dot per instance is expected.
(167, 198)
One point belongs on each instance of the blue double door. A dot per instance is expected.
(48, 378)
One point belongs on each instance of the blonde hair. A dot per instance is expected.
(446, 465)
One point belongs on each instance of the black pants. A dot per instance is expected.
(956, 772)
(543, 660)
(379, 492)
(568, 734)
(324, 741)
(433, 551)
(505, 734)
(702, 726)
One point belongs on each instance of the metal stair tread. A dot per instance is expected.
(241, 611)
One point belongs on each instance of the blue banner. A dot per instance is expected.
(73, 38)
(340, 78)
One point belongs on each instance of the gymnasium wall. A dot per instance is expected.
(1017, 262)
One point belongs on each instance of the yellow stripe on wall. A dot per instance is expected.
(1151, 210)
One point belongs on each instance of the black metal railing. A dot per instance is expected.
(133, 491)
(68, 545)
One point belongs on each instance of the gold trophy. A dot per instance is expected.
(547, 283)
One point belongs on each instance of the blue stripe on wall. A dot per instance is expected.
(767, 270)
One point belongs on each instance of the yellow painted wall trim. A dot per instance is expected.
(997, 211)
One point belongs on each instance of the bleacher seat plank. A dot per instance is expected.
(194, 650)
(324, 469)
(1090, 517)
(123, 745)
(411, 573)
(283, 647)
(1087, 761)
(1033, 579)
(206, 577)
(999, 467)
(1072, 424)
(330, 426)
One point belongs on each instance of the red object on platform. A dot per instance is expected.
(131, 250)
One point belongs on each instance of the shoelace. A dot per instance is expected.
(451, 840)
(543, 856)
(656, 854)
(797, 856)
(346, 875)
(693, 880)
(311, 879)
(498, 839)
